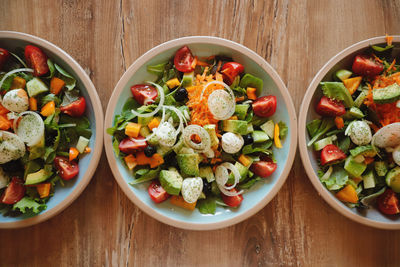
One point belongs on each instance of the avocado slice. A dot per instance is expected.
(235, 126)
(210, 128)
(188, 164)
(243, 171)
(35, 87)
(366, 151)
(369, 180)
(249, 80)
(37, 177)
(393, 179)
(342, 74)
(388, 94)
(381, 168)
(207, 173)
(356, 113)
(241, 111)
(171, 181)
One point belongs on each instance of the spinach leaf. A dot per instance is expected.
(262, 147)
(207, 206)
(313, 126)
(19, 59)
(249, 183)
(249, 80)
(152, 174)
(157, 69)
(70, 96)
(51, 68)
(69, 80)
(283, 130)
(326, 125)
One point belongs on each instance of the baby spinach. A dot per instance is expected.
(70, 81)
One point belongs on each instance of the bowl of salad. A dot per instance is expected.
(200, 133)
(51, 126)
(349, 132)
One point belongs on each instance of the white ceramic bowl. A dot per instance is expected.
(258, 196)
(343, 60)
(63, 196)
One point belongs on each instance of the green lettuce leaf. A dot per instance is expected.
(337, 91)
(27, 203)
(207, 206)
(69, 80)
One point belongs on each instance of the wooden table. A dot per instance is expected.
(102, 227)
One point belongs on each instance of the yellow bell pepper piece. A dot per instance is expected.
(276, 136)
(173, 83)
(180, 202)
(48, 109)
(347, 194)
(132, 129)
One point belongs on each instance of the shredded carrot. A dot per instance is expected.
(219, 65)
(389, 39)
(202, 63)
(377, 58)
(391, 65)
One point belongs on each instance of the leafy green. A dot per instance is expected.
(152, 174)
(115, 146)
(337, 179)
(71, 135)
(50, 97)
(70, 96)
(239, 90)
(249, 183)
(69, 80)
(19, 59)
(337, 91)
(157, 69)
(313, 126)
(127, 107)
(344, 144)
(382, 49)
(283, 129)
(326, 125)
(249, 80)
(7, 82)
(262, 147)
(30, 204)
(207, 206)
(51, 68)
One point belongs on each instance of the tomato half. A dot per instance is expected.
(183, 59)
(76, 108)
(263, 168)
(230, 70)
(265, 106)
(388, 203)
(129, 146)
(331, 154)
(233, 201)
(330, 107)
(14, 192)
(157, 193)
(4, 55)
(67, 169)
(143, 92)
(37, 59)
(366, 66)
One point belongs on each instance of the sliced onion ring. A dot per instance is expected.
(222, 175)
(11, 73)
(229, 193)
(221, 104)
(202, 133)
(160, 104)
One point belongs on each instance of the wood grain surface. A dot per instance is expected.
(103, 228)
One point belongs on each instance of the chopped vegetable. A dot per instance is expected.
(347, 194)
(251, 93)
(180, 202)
(48, 109)
(56, 85)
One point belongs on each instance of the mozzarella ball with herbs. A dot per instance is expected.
(191, 189)
(360, 133)
(16, 100)
(232, 143)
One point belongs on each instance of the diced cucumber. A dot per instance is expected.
(260, 136)
(268, 127)
(366, 151)
(359, 158)
(369, 180)
(324, 142)
(360, 98)
(381, 168)
(241, 111)
(356, 113)
(355, 169)
(207, 173)
(83, 142)
(393, 179)
(35, 87)
(342, 74)
(187, 79)
(250, 128)
(144, 131)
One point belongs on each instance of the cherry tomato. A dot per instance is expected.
(330, 107)
(388, 203)
(76, 108)
(14, 192)
(67, 169)
(331, 154)
(232, 201)
(265, 106)
(143, 92)
(37, 59)
(4, 55)
(129, 146)
(183, 59)
(366, 66)
(157, 193)
(263, 168)
(230, 70)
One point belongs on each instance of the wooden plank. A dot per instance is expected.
(102, 227)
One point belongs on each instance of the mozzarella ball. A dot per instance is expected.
(191, 189)
(360, 133)
(232, 143)
(16, 100)
(396, 155)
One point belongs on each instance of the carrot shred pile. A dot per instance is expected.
(387, 113)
